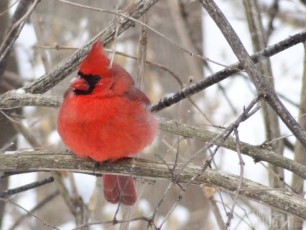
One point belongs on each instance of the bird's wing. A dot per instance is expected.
(135, 94)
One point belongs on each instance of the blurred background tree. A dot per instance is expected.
(187, 48)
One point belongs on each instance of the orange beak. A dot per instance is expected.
(79, 83)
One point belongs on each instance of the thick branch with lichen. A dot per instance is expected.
(28, 161)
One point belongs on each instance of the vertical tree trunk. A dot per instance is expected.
(9, 136)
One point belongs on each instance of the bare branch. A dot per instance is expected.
(57, 161)
(68, 65)
(29, 213)
(24, 9)
(37, 207)
(259, 153)
(26, 187)
(261, 83)
(230, 70)
(14, 99)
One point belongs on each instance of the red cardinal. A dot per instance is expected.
(105, 117)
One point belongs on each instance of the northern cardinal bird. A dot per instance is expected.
(105, 117)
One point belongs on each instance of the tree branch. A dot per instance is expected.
(262, 85)
(13, 99)
(227, 72)
(56, 161)
(23, 11)
(257, 152)
(68, 65)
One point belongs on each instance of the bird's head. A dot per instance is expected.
(96, 74)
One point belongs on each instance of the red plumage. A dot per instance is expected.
(105, 117)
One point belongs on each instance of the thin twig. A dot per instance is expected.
(221, 138)
(230, 215)
(135, 20)
(142, 52)
(29, 213)
(10, 192)
(38, 206)
(23, 11)
(178, 200)
(68, 65)
(161, 201)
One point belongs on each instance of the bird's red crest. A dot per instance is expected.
(95, 61)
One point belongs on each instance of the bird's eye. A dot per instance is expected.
(94, 78)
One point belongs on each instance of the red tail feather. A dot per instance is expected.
(119, 189)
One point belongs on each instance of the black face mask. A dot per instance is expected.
(91, 80)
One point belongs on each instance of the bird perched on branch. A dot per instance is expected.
(105, 117)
